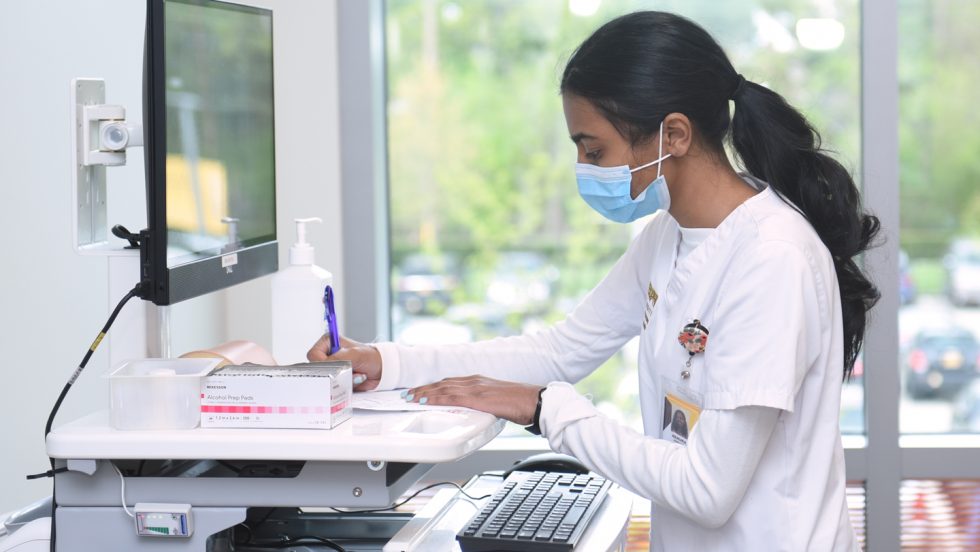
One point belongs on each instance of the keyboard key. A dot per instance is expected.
(573, 516)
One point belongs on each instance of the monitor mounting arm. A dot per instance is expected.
(101, 134)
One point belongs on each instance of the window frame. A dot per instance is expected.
(881, 458)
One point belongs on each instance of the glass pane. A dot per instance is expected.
(488, 234)
(940, 516)
(939, 266)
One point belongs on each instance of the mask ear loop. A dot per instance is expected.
(660, 148)
(660, 154)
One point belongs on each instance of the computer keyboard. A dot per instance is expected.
(535, 511)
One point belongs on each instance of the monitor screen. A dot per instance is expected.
(211, 146)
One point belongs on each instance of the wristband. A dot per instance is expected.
(535, 427)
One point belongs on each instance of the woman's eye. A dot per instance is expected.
(593, 155)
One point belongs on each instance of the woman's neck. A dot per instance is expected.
(703, 193)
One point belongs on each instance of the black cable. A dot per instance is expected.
(234, 533)
(49, 473)
(296, 542)
(413, 495)
(88, 354)
(255, 526)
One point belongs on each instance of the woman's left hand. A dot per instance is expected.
(505, 399)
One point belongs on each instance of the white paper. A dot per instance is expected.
(392, 401)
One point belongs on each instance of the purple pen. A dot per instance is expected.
(330, 317)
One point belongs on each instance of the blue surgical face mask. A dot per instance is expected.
(607, 189)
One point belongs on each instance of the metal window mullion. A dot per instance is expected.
(879, 152)
(364, 168)
(940, 463)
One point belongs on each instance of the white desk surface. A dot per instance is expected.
(418, 437)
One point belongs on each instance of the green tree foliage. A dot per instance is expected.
(939, 74)
(480, 157)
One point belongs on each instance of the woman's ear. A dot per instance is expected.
(678, 134)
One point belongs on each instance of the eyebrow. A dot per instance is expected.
(582, 136)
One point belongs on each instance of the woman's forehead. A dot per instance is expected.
(584, 120)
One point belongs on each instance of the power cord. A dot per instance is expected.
(410, 497)
(299, 541)
(135, 292)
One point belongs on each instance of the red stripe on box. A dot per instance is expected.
(228, 409)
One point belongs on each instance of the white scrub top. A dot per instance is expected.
(765, 287)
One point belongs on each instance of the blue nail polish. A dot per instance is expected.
(358, 380)
(404, 392)
(423, 400)
(409, 397)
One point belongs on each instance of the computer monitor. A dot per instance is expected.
(210, 148)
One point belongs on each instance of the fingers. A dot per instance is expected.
(364, 383)
(451, 399)
(509, 400)
(463, 381)
(442, 396)
(318, 352)
(348, 343)
(450, 392)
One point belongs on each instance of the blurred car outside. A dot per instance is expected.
(425, 283)
(962, 264)
(966, 409)
(941, 361)
(907, 291)
(522, 282)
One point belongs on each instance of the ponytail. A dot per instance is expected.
(640, 67)
(775, 142)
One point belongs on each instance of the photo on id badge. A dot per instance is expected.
(682, 409)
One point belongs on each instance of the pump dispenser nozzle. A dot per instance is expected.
(301, 253)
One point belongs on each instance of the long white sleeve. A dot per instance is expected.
(607, 318)
(704, 481)
(568, 351)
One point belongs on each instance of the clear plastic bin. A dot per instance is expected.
(158, 393)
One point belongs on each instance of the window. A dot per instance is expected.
(939, 265)
(488, 235)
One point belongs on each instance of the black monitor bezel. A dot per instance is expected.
(162, 284)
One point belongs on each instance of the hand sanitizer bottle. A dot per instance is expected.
(297, 301)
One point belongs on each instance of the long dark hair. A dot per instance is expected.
(639, 68)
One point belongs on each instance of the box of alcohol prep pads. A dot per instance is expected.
(315, 395)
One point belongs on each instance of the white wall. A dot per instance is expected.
(54, 301)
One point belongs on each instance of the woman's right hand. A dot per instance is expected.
(365, 360)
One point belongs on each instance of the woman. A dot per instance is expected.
(742, 287)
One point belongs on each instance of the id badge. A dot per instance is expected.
(681, 410)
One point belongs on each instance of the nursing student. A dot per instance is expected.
(742, 288)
